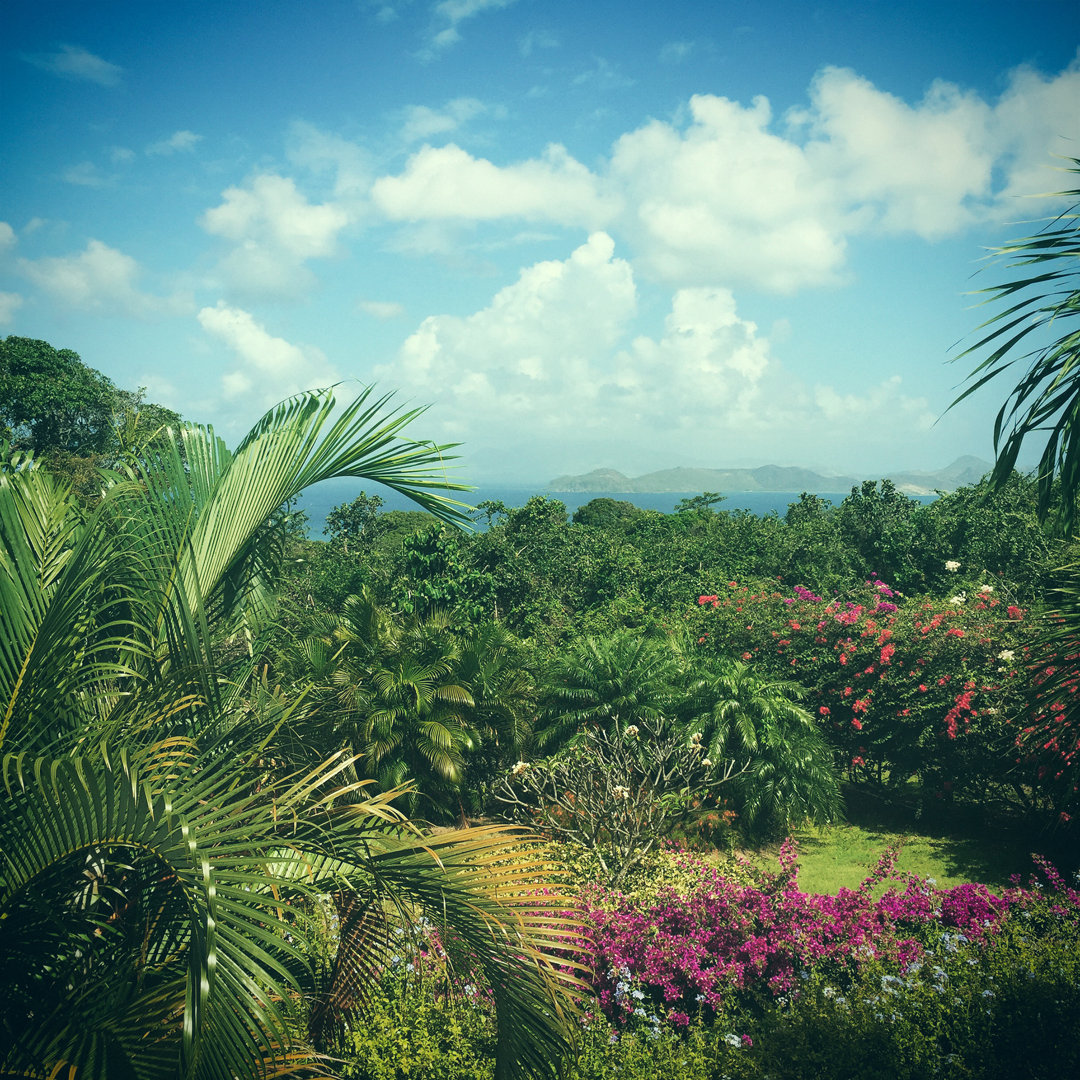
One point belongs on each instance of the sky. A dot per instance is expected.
(586, 234)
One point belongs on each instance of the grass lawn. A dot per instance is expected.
(840, 856)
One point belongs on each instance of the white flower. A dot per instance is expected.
(695, 741)
(620, 792)
(707, 763)
(632, 731)
(519, 768)
(986, 588)
(1006, 654)
(958, 599)
(952, 565)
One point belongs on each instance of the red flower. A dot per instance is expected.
(824, 710)
(857, 724)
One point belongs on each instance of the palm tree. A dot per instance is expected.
(610, 682)
(744, 716)
(160, 857)
(1042, 301)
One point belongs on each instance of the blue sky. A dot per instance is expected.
(588, 234)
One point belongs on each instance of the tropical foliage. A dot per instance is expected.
(1039, 304)
(163, 850)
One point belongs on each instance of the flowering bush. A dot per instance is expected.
(904, 688)
(708, 952)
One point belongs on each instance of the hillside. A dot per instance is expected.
(965, 470)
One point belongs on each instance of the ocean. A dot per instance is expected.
(318, 501)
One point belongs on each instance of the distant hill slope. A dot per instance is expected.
(963, 471)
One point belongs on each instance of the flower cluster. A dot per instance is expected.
(698, 952)
(902, 687)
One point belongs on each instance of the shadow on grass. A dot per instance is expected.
(952, 844)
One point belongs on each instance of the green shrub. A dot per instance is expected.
(1007, 1010)
(411, 1031)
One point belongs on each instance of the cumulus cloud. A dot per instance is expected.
(8, 239)
(422, 122)
(9, 304)
(74, 62)
(729, 194)
(274, 230)
(529, 353)
(547, 365)
(177, 142)
(727, 200)
(99, 279)
(325, 154)
(708, 362)
(449, 183)
(268, 369)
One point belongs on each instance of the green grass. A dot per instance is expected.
(840, 856)
(958, 846)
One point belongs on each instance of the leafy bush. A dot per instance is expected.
(903, 688)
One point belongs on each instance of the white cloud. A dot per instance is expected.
(546, 368)
(675, 52)
(449, 183)
(324, 154)
(177, 142)
(120, 155)
(730, 195)
(99, 279)
(74, 62)
(422, 122)
(728, 201)
(449, 15)
(921, 169)
(537, 39)
(381, 309)
(275, 230)
(9, 304)
(8, 239)
(268, 368)
(1036, 114)
(86, 174)
(530, 353)
(708, 363)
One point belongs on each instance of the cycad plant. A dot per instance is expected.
(607, 682)
(746, 716)
(160, 855)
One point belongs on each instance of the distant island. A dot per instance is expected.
(963, 471)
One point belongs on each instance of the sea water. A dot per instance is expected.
(319, 500)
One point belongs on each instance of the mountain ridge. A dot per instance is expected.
(963, 471)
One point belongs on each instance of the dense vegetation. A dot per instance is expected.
(226, 747)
